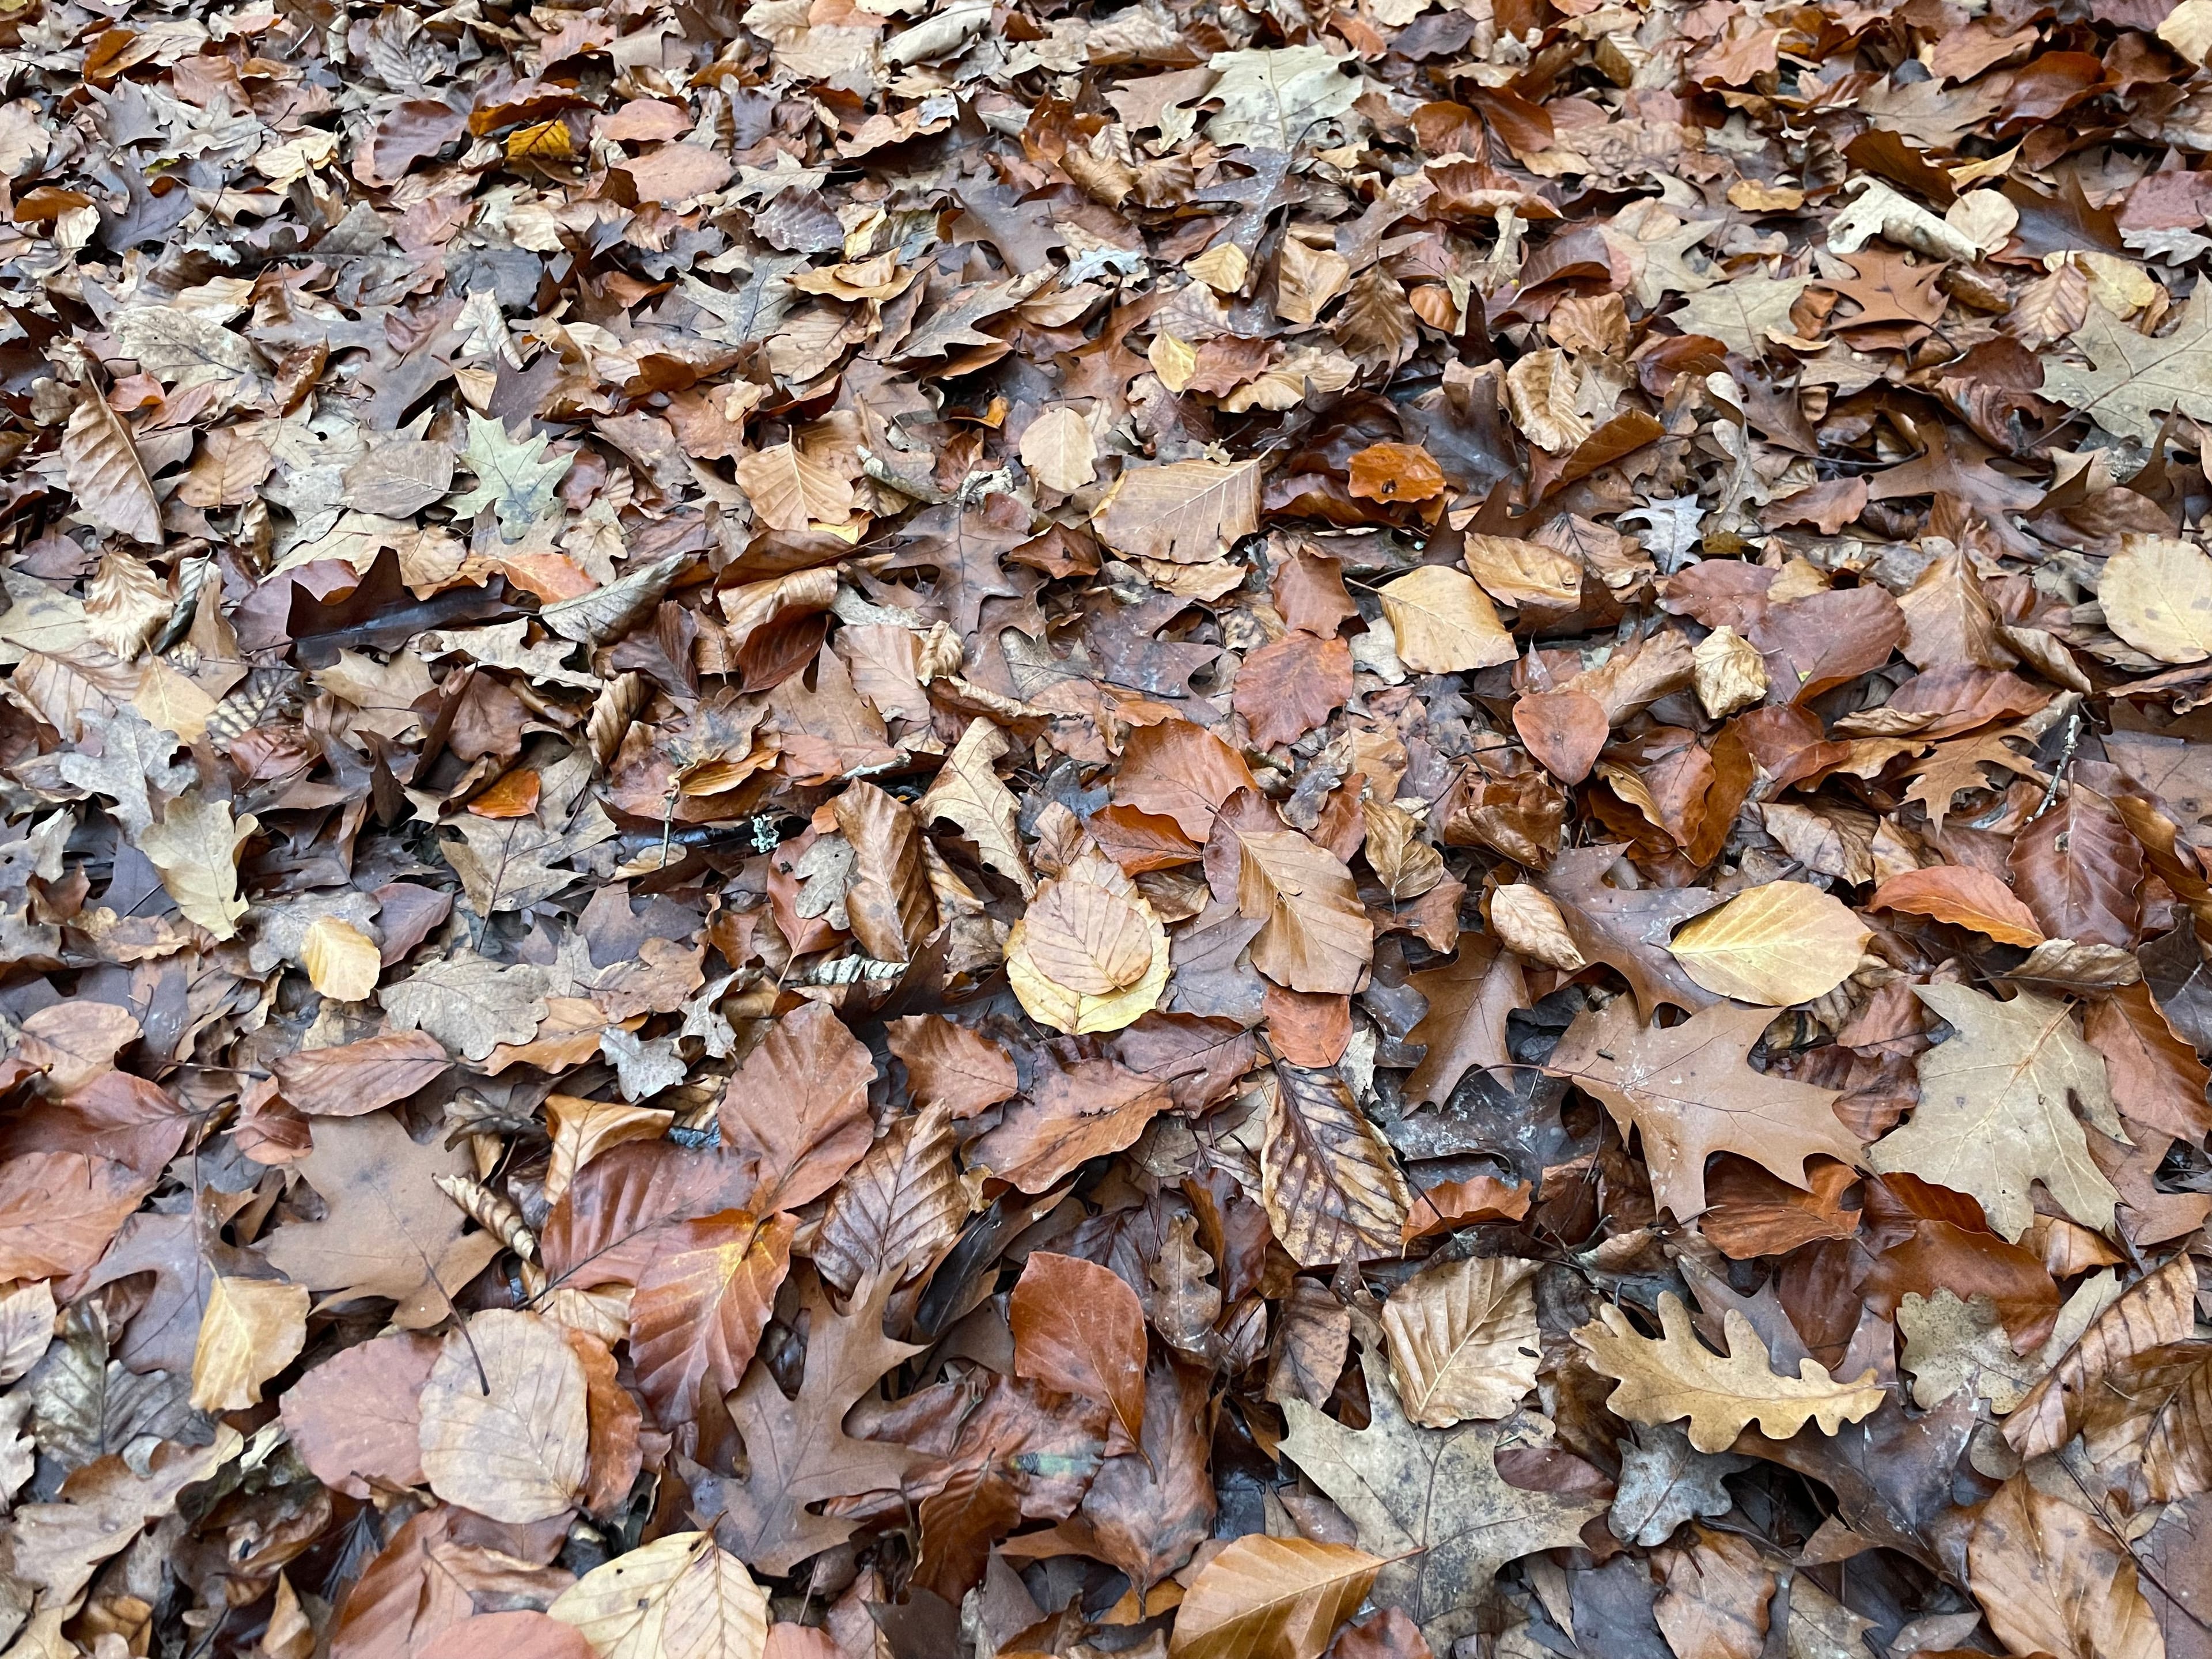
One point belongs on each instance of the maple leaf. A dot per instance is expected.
(1689, 1093)
(2132, 378)
(797, 1450)
(386, 1230)
(514, 479)
(1430, 1501)
(1995, 1112)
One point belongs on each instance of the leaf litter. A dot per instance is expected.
(889, 828)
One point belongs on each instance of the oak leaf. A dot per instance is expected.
(1689, 1091)
(1673, 1376)
(1993, 1114)
(1431, 1502)
(196, 847)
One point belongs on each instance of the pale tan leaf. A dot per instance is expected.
(1306, 280)
(249, 1330)
(681, 1596)
(1462, 1339)
(1187, 512)
(342, 961)
(967, 792)
(1316, 935)
(791, 489)
(1528, 922)
(505, 1420)
(195, 846)
(1085, 939)
(27, 1326)
(1731, 675)
(1271, 1598)
(124, 603)
(1523, 572)
(2157, 595)
(1541, 394)
(1058, 448)
(1674, 1375)
(1444, 624)
(1780, 942)
(1995, 1114)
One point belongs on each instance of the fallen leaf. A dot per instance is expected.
(1671, 1377)
(1784, 942)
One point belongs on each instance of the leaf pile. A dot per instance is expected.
(911, 828)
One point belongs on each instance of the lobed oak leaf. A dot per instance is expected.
(1673, 1376)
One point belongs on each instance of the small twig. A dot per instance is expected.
(2059, 772)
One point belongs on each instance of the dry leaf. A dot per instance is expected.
(1463, 1340)
(504, 1420)
(1784, 942)
(1271, 1598)
(1443, 624)
(249, 1330)
(1671, 1377)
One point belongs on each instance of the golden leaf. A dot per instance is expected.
(342, 961)
(1444, 624)
(1065, 1007)
(249, 1330)
(1674, 1375)
(1780, 942)
(1271, 1598)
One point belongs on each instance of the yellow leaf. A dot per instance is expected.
(1444, 624)
(1173, 361)
(1674, 1375)
(342, 961)
(1271, 1598)
(679, 1597)
(1064, 1007)
(251, 1329)
(2157, 595)
(195, 846)
(545, 140)
(1780, 942)
(174, 703)
(1223, 269)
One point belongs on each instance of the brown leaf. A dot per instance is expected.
(798, 1108)
(1332, 1188)
(2052, 1580)
(1963, 895)
(1290, 687)
(1271, 1598)
(2157, 1308)
(703, 1300)
(105, 473)
(1079, 1328)
(950, 1066)
(1689, 1093)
